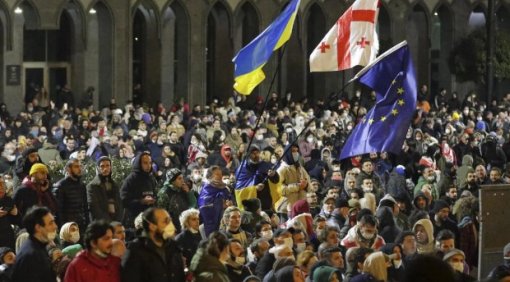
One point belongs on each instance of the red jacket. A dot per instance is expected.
(86, 267)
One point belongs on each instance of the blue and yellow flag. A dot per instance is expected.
(250, 60)
(384, 127)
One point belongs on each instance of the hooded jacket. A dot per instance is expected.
(387, 227)
(135, 187)
(208, 268)
(429, 247)
(86, 267)
(210, 204)
(290, 177)
(175, 201)
(99, 197)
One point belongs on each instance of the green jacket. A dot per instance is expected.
(207, 268)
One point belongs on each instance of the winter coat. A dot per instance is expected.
(208, 268)
(188, 243)
(141, 262)
(353, 240)
(387, 227)
(29, 195)
(48, 153)
(71, 196)
(428, 248)
(33, 263)
(99, 199)
(210, 203)
(86, 267)
(175, 201)
(7, 237)
(134, 188)
(291, 176)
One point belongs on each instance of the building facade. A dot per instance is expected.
(162, 50)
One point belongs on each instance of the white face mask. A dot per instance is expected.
(309, 139)
(367, 235)
(458, 266)
(260, 137)
(169, 231)
(367, 189)
(240, 260)
(75, 237)
(100, 253)
(288, 242)
(288, 130)
(295, 156)
(226, 181)
(267, 234)
(349, 127)
(52, 236)
(300, 247)
(197, 177)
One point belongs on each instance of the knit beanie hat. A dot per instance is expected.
(38, 167)
(172, 174)
(251, 205)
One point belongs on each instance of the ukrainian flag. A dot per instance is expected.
(250, 60)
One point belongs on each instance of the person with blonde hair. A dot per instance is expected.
(368, 202)
(306, 261)
(374, 268)
(190, 237)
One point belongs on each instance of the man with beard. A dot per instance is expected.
(451, 195)
(138, 191)
(96, 263)
(154, 256)
(103, 194)
(71, 196)
(440, 219)
(428, 177)
(25, 162)
(251, 175)
(470, 184)
(35, 191)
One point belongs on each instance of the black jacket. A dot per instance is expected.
(135, 187)
(99, 198)
(71, 197)
(188, 242)
(265, 265)
(33, 263)
(143, 263)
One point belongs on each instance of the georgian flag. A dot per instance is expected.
(351, 42)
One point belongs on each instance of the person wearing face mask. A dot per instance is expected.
(32, 261)
(396, 270)
(213, 199)
(455, 258)
(295, 181)
(236, 263)
(96, 262)
(69, 234)
(251, 175)
(154, 256)
(307, 145)
(282, 239)
(208, 264)
(364, 234)
(71, 196)
(190, 237)
(175, 196)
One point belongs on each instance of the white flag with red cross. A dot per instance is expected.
(351, 42)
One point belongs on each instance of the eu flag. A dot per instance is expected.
(250, 60)
(384, 127)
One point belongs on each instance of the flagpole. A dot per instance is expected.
(266, 100)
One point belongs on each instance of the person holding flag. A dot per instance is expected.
(252, 176)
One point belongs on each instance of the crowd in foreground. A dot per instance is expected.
(209, 197)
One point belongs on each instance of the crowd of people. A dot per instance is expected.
(241, 191)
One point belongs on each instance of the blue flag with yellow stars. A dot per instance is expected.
(384, 127)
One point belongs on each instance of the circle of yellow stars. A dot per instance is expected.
(394, 111)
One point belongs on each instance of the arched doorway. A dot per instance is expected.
(441, 43)
(175, 57)
(146, 57)
(316, 29)
(219, 54)
(100, 38)
(419, 42)
(246, 29)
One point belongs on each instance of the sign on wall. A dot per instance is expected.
(13, 74)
